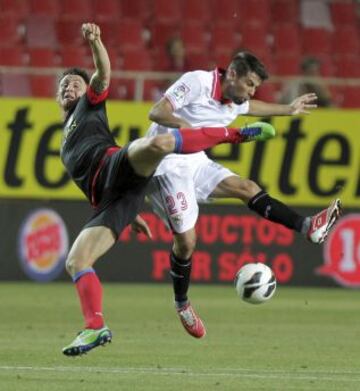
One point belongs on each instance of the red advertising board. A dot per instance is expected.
(228, 237)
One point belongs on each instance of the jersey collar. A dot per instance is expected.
(68, 113)
(216, 92)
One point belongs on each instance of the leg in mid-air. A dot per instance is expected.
(315, 228)
(174, 196)
(180, 272)
(90, 244)
(145, 154)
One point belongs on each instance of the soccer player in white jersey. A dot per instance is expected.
(215, 99)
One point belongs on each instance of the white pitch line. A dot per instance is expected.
(183, 370)
(220, 372)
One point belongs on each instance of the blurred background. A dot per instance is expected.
(147, 39)
(307, 46)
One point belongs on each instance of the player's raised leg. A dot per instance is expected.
(91, 244)
(315, 228)
(146, 153)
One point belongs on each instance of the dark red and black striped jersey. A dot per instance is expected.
(86, 137)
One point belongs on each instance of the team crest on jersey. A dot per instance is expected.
(180, 91)
(177, 219)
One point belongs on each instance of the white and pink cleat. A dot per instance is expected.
(191, 321)
(322, 222)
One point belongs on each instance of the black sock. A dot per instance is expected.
(276, 211)
(180, 274)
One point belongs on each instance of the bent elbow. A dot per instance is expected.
(151, 116)
(154, 116)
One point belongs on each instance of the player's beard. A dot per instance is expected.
(232, 96)
(71, 104)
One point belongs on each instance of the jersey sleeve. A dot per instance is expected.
(95, 98)
(243, 108)
(184, 91)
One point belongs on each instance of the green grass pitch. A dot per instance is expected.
(303, 339)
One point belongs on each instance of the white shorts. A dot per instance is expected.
(180, 182)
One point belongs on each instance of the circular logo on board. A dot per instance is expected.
(342, 252)
(43, 245)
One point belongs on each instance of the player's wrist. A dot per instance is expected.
(289, 109)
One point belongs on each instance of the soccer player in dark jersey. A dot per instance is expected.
(114, 179)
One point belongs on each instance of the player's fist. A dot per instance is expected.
(90, 31)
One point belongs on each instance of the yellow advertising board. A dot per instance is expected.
(313, 159)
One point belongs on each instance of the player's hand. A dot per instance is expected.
(139, 226)
(91, 31)
(303, 104)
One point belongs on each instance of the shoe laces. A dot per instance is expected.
(188, 316)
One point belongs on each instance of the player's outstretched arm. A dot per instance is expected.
(100, 80)
(162, 114)
(300, 105)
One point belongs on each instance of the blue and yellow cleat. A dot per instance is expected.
(258, 131)
(87, 340)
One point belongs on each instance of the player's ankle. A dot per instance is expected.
(181, 303)
(306, 225)
(95, 324)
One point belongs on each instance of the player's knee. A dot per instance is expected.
(162, 144)
(74, 265)
(248, 189)
(185, 248)
(69, 266)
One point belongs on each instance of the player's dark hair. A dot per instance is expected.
(76, 71)
(245, 62)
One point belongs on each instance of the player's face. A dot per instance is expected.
(71, 89)
(241, 89)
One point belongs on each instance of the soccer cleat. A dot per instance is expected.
(87, 340)
(258, 131)
(322, 222)
(191, 321)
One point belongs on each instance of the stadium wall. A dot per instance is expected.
(314, 159)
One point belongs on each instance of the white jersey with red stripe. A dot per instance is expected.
(196, 97)
(181, 181)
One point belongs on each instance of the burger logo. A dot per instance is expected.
(43, 245)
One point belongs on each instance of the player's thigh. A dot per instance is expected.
(236, 187)
(146, 153)
(207, 177)
(173, 198)
(91, 244)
